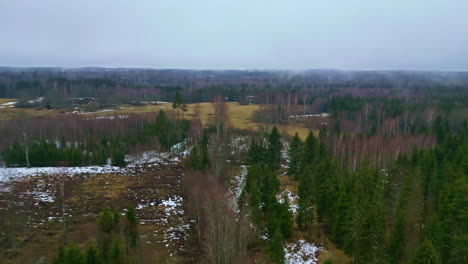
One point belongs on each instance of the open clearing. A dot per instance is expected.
(240, 116)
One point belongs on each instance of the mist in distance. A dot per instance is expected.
(296, 35)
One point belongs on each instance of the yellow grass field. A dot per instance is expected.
(240, 116)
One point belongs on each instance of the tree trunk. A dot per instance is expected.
(26, 149)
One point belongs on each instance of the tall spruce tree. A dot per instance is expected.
(92, 256)
(275, 247)
(366, 227)
(426, 254)
(274, 149)
(309, 150)
(305, 214)
(294, 152)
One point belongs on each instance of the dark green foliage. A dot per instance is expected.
(397, 239)
(199, 157)
(60, 256)
(116, 253)
(259, 193)
(305, 213)
(118, 158)
(106, 220)
(131, 228)
(309, 151)
(275, 247)
(110, 249)
(426, 254)
(340, 211)
(256, 153)
(43, 153)
(280, 217)
(92, 256)
(48, 153)
(268, 186)
(73, 255)
(273, 154)
(366, 221)
(178, 104)
(294, 152)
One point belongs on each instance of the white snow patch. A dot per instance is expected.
(16, 173)
(292, 198)
(237, 184)
(309, 115)
(43, 196)
(87, 113)
(109, 117)
(172, 205)
(147, 157)
(301, 252)
(37, 100)
(8, 104)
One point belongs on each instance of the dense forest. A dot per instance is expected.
(380, 177)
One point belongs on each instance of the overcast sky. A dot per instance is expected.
(236, 34)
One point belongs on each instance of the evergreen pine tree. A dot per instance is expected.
(305, 214)
(73, 255)
(92, 256)
(269, 186)
(285, 217)
(308, 151)
(426, 254)
(116, 254)
(340, 219)
(274, 149)
(106, 222)
(118, 157)
(397, 239)
(294, 153)
(60, 256)
(275, 247)
(366, 227)
(131, 229)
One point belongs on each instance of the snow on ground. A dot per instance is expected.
(285, 154)
(174, 213)
(134, 162)
(309, 115)
(237, 184)
(239, 144)
(15, 173)
(147, 157)
(173, 205)
(154, 102)
(10, 104)
(292, 200)
(43, 196)
(109, 117)
(37, 100)
(87, 113)
(301, 252)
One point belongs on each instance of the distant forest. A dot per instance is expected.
(116, 86)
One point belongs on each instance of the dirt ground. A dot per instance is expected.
(151, 189)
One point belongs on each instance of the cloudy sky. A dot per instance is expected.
(236, 34)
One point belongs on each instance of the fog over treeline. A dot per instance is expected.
(163, 83)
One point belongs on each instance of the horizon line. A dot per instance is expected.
(230, 69)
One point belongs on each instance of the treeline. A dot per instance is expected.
(96, 151)
(259, 195)
(414, 211)
(117, 86)
(117, 242)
